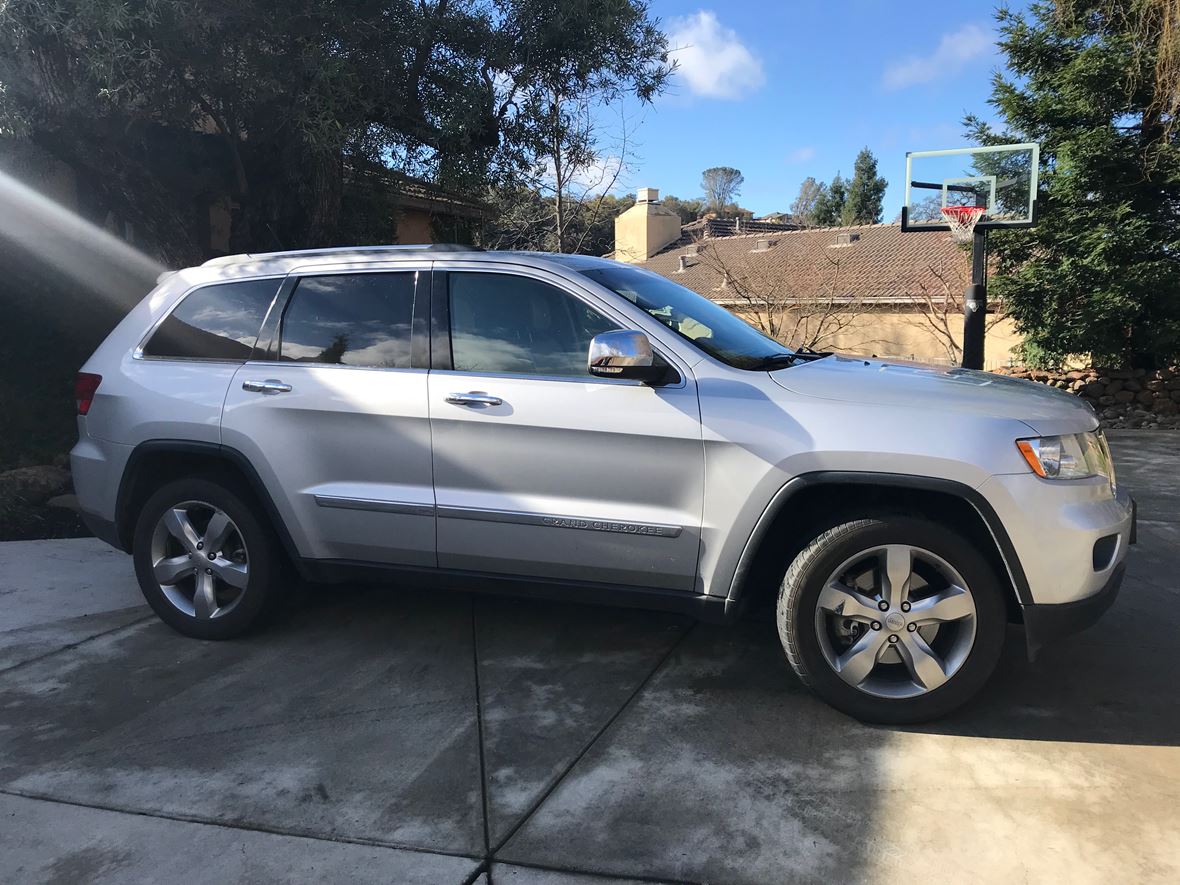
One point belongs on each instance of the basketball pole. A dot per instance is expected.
(975, 303)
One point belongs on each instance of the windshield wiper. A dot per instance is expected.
(775, 361)
(801, 354)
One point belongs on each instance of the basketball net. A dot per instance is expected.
(962, 221)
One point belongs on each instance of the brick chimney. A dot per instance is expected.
(645, 228)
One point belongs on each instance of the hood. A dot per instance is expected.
(914, 385)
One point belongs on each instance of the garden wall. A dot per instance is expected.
(1122, 397)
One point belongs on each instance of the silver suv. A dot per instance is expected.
(565, 425)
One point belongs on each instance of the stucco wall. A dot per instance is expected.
(908, 335)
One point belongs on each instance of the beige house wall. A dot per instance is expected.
(907, 334)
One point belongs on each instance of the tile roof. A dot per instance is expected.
(414, 193)
(874, 262)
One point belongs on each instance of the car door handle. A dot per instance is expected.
(269, 386)
(474, 398)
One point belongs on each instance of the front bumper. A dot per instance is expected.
(1068, 536)
(1045, 623)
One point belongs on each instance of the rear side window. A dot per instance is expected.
(350, 320)
(218, 322)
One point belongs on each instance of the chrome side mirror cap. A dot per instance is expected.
(625, 353)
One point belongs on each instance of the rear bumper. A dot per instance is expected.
(103, 529)
(1045, 623)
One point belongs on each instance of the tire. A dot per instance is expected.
(828, 631)
(242, 585)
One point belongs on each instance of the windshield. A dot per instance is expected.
(698, 320)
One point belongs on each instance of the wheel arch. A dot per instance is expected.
(812, 502)
(158, 461)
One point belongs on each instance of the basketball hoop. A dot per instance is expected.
(962, 221)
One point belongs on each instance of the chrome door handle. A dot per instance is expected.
(474, 399)
(269, 386)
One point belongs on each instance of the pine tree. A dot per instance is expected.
(866, 193)
(829, 207)
(1100, 273)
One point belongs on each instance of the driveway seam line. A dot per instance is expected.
(483, 765)
(557, 781)
(236, 825)
(73, 645)
(556, 868)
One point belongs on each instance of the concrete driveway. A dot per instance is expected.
(388, 736)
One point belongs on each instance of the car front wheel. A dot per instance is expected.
(892, 619)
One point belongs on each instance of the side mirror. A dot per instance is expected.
(625, 354)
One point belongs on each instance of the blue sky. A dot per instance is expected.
(787, 89)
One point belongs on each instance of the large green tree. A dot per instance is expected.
(1100, 273)
(161, 107)
(866, 192)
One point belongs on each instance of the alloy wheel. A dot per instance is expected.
(199, 560)
(895, 621)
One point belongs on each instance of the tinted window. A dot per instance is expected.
(215, 323)
(504, 323)
(350, 320)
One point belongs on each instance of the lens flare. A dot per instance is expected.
(87, 253)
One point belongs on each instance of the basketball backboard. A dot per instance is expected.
(1001, 180)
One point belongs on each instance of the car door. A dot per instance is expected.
(541, 469)
(334, 415)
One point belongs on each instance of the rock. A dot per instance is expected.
(1175, 395)
(1154, 384)
(1132, 385)
(1075, 375)
(1172, 384)
(62, 460)
(34, 484)
(1106, 400)
(1147, 397)
(1124, 396)
(1165, 407)
(1094, 389)
(65, 502)
(1114, 387)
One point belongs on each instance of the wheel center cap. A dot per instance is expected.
(895, 622)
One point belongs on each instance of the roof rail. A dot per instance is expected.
(338, 250)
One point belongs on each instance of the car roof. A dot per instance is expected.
(276, 262)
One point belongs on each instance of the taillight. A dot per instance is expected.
(85, 386)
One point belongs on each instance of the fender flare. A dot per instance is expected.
(835, 478)
(207, 449)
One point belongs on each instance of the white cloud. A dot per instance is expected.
(801, 155)
(712, 60)
(602, 175)
(954, 52)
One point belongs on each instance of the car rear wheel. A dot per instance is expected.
(892, 619)
(207, 565)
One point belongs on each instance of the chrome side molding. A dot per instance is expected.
(580, 523)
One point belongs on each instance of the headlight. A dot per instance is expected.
(1073, 456)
